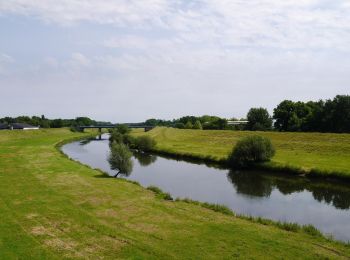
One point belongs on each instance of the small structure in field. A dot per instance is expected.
(23, 126)
(237, 122)
(4, 126)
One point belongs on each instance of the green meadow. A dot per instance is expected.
(315, 153)
(55, 208)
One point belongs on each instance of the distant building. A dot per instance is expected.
(3, 126)
(22, 126)
(237, 122)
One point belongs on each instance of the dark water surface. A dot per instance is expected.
(322, 203)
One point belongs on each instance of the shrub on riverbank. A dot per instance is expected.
(145, 143)
(116, 137)
(250, 150)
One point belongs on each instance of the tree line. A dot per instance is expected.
(192, 122)
(44, 122)
(331, 115)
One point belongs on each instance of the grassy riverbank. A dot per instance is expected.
(52, 207)
(315, 153)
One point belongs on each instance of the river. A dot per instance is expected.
(323, 203)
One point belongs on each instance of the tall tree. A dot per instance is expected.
(197, 125)
(283, 114)
(259, 119)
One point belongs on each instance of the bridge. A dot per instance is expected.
(100, 127)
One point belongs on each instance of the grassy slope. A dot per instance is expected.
(52, 207)
(324, 152)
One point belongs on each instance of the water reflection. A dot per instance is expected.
(144, 159)
(250, 184)
(256, 184)
(88, 140)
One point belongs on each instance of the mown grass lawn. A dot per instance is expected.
(318, 151)
(54, 208)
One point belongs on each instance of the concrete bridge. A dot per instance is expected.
(100, 127)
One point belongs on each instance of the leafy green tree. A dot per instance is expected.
(259, 119)
(120, 159)
(56, 123)
(84, 121)
(336, 114)
(188, 125)
(294, 123)
(151, 122)
(197, 125)
(122, 129)
(186, 119)
(282, 114)
(180, 125)
(45, 123)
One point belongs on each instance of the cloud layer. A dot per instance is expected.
(242, 53)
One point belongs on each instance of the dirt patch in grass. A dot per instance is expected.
(40, 231)
(32, 215)
(110, 213)
(64, 245)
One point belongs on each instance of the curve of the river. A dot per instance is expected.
(324, 204)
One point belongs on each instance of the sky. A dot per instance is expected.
(129, 60)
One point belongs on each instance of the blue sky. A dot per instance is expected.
(130, 60)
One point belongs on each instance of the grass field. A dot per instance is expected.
(54, 208)
(326, 154)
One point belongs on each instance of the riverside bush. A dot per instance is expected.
(145, 143)
(250, 150)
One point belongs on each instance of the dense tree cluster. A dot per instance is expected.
(192, 122)
(44, 122)
(321, 116)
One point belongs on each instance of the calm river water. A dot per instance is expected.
(322, 203)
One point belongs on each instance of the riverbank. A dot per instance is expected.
(312, 154)
(52, 207)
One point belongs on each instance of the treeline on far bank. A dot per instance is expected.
(44, 122)
(331, 115)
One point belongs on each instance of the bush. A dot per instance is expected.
(251, 149)
(129, 140)
(123, 129)
(74, 129)
(145, 143)
(155, 189)
(116, 137)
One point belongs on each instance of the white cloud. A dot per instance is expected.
(80, 60)
(255, 23)
(5, 62)
(6, 58)
(67, 12)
